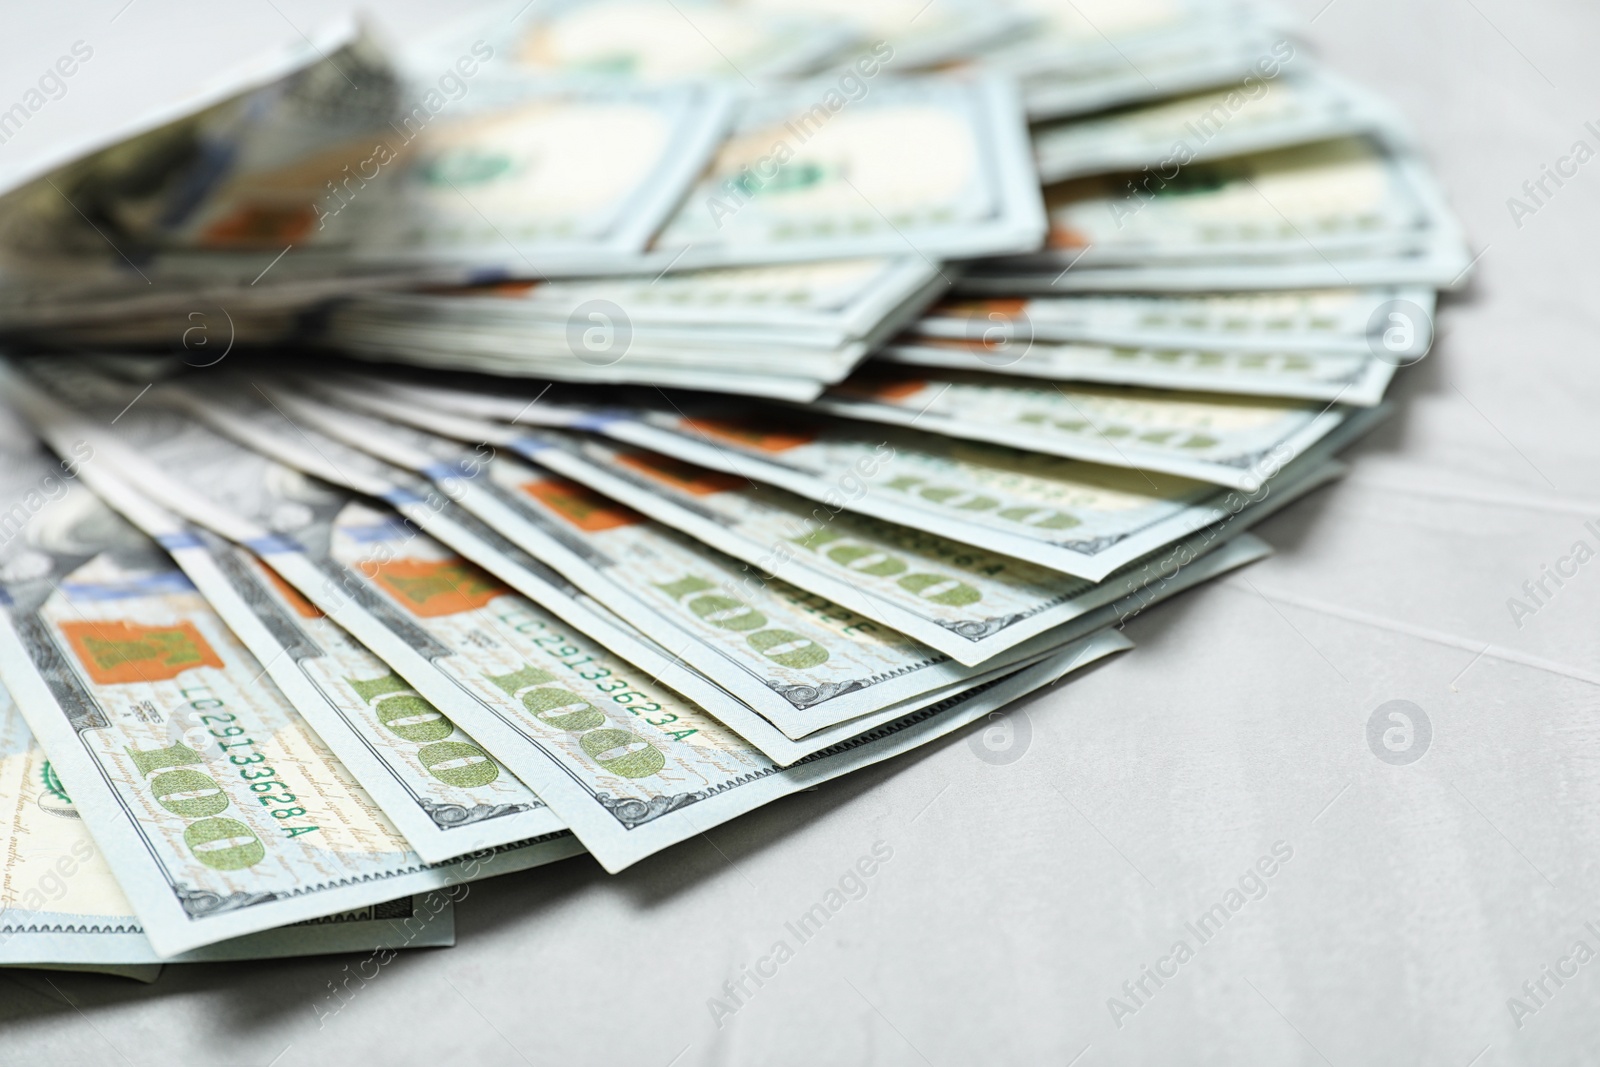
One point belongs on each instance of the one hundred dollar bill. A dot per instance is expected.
(527, 180)
(1344, 321)
(500, 174)
(1211, 438)
(60, 905)
(637, 41)
(220, 812)
(1355, 378)
(778, 331)
(445, 794)
(1084, 56)
(434, 176)
(630, 766)
(823, 304)
(963, 601)
(1335, 197)
(813, 669)
(803, 662)
(1255, 115)
(921, 35)
(1442, 262)
(935, 167)
(104, 153)
(795, 380)
(175, 181)
(1078, 518)
(639, 801)
(339, 549)
(1350, 212)
(1330, 344)
(342, 550)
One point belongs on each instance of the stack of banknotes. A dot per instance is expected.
(573, 430)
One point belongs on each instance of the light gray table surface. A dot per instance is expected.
(1020, 897)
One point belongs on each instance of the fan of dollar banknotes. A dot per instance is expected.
(578, 428)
